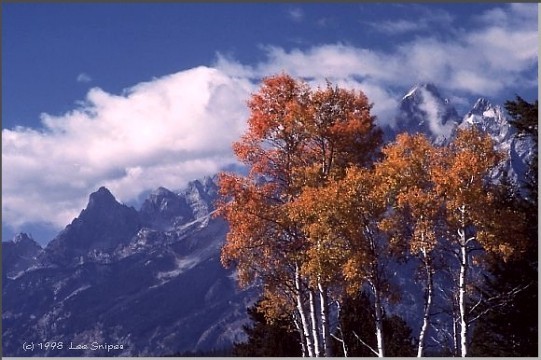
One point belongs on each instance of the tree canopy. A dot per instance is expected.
(325, 208)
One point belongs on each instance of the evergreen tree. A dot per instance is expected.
(268, 338)
(512, 328)
(398, 337)
(356, 329)
(525, 118)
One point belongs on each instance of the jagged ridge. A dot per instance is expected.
(113, 276)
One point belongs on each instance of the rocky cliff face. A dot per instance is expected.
(97, 231)
(517, 151)
(424, 110)
(19, 255)
(149, 281)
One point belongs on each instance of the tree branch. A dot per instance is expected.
(365, 344)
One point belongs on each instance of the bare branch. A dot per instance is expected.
(365, 344)
(497, 301)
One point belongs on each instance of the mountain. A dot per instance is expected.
(517, 150)
(424, 110)
(19, 254)
(149, 280)
(99, 229)
(491, 119)
(165, 209)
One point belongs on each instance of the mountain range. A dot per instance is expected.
(149, 282)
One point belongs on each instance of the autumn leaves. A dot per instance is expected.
(324, 205)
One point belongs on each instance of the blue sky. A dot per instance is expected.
(135, 96)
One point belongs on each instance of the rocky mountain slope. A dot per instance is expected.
(517, 150)
(424, 110)
(19, 255)
(150, 281)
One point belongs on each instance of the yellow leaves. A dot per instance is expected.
(425, 184)
(316, 200)
(333, 216)
(275, 304)
(405, 175)
(466, 162)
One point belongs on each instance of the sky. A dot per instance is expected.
(133, 96)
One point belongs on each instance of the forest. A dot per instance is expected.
(339, 228)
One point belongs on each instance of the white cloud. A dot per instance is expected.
(398, 26)
(160, 133)
(296, 14)
(418, 18)
(83, 78)
(432, 109)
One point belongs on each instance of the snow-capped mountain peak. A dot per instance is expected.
(493, 120)
(424, 110)
(165, 209)
(25, 239)
(417, 90)
(200, 196)
(480, 106)
(489, 118)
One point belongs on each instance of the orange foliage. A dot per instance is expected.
(339, 220)
(437, 190)
(405, 175)
(297, 139)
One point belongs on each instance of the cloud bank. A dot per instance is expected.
(159, 133)
(170, 130)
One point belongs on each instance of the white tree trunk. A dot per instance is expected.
(462, 297)
(324, 308)
(379, 321)
(456, 330)
(302, 314)
(315, 324)
(463, 257)
(302, 338)
(427, 305)
(343, 338)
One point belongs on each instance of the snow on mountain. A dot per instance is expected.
(490, 119)
(200, 196)
(517, 151)
(424, 110)
(164, 210)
